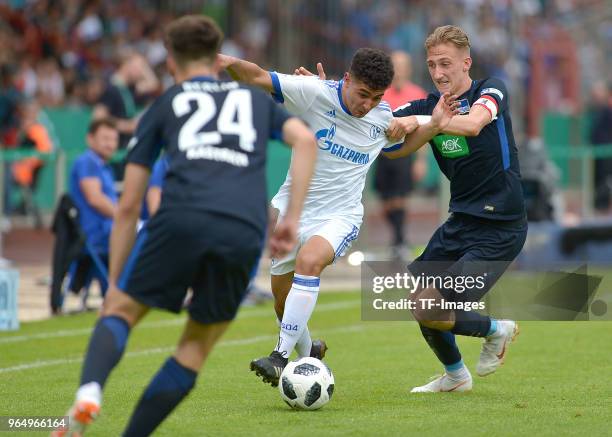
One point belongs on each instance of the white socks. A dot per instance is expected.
(298, 308)
(304, 343)
(90, 392)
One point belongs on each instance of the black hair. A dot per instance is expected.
(372, 67)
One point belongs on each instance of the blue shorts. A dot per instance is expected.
(211, 253)
(470, 246)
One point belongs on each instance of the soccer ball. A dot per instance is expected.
(306, 384)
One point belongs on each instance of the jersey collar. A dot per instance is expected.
(201, 79)
(344, 108)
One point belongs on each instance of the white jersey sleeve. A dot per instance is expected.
(296, 92)
(387, 117)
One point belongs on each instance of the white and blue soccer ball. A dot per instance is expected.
(306, 384)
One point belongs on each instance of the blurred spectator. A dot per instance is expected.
(90, 28)
(154, 49)
(92, 189)
(49, 83)
(601, 134)
(32, 136)
(129, 88)
(394, 178)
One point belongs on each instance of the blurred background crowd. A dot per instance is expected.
(64, 63)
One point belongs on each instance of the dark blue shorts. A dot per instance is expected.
(467, 246)
(211, 253)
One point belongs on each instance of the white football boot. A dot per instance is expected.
(495, 347)
(83, 412)
(445, 383)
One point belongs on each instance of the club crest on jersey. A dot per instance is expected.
(325, 141)
(375, 132)
(464, 106)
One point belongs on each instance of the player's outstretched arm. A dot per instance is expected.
(245, 71)
(442, 114)
(126, 218)
(304, 155)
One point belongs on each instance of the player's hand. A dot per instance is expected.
(445, 109)
(224, 61)
(283, 238)
(302, 71)
(400, 127)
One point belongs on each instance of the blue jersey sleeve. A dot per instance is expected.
(416, 107)
(495, 89)
(145, 145)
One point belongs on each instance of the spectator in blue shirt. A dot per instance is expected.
(92, 186)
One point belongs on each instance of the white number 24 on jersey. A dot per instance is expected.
(235, 118)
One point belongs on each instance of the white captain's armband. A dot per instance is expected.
(489, 103)
(423, 119)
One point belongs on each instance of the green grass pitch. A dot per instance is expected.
(557, 379)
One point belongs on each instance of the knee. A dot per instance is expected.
(440, 321)
(123, 307)
(122, 312)
(309, 264)
(430, 316)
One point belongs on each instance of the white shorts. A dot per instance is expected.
(338, 232)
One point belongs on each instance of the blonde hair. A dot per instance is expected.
(448, 34)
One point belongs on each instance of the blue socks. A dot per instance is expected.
(493, 328)
(165, 391)
(442, 343)
(105, 349)
(471, 324)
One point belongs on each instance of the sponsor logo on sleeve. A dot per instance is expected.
(495, 91)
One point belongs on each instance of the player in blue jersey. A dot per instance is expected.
(209, 229)
(487, 227)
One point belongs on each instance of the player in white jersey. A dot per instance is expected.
(349, 121)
